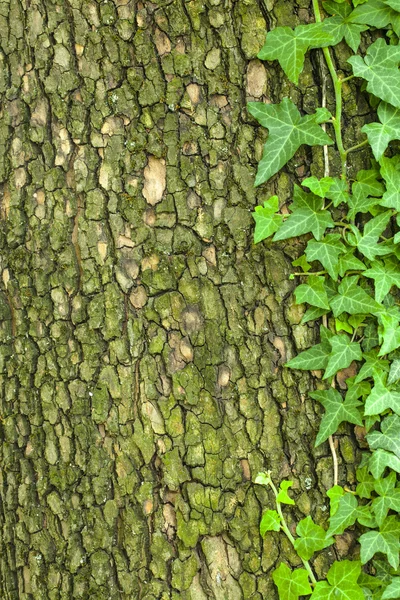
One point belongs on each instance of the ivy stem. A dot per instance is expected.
(357, 146)
(337, 85)
(331, 440)
(286, 530)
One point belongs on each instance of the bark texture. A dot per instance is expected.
(142, 334)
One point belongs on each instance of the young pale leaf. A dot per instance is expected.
(372, 365)
(289, 46)
(389, 436)
(368, 243)
(302, 262)
(327, 252)
(313, 359)
(392, 590)
(380, 69)
(388, 499)
(394, 373)
(390, 169)
(353, 300)
(346, 515)
(291, 584)
(381, 459)
(366, 483)
(385, 275)
(344, 351)
(386, 540)
(313, 292)
(288, 130)
(311, 538)
(381, 399)
(336, 412)
(267, 221)
(334, 495)
(380, 134)
(342, 578)
(270, 521)
(283, 496)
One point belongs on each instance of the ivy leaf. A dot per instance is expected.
(313, 313)
(291, 584)
(353, 299)
(389, 332)
(386, 540)
(392, 590)
(288, 130)
(372, 365)
(381, 399)
(390, 169)
(389, 436)
(381, 459)
(367, 183)
(395, 4)
(322, 115)
(270, 521)
(379, 68)
(337, 8)
(394, 373)
(267, 221)
(346, 515)
(368, 243)
(327, 251)
(337, 410)
(359, 202)
(389, 497)
(348, 262)
(318, 186)
(313, 359)
(311, 538)
(307, 216)
(342, 578)
(385, 276)
(289, 46)
(283, 496)
(338, 192)
(375, 13)
(366, 483)
(302, 262)
(341, 27)
(344, 351)
(313, 292)
(380, 134)
(334, 495)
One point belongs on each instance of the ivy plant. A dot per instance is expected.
(349, 276)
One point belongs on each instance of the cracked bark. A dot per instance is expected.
(142, 334)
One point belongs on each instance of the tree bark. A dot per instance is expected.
(143, 334)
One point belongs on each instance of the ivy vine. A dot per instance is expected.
(349, 273)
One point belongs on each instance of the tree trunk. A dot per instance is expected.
(143, 334)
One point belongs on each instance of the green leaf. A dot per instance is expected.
(389, 436)
(319, 187)
(334, 494)
(346, 515)
(313, 292)
(344, 351)
(385, 275)
(311, 538)
(313, 359)
(392, 590)
(380, 69)
(375, 13)
(386, 541)
(338, 192)
(388, 499)
(313, 313)
(348, 262)
(263, 479)
(367, 183)
(366, 483)
(394, 373)
(307, 216)
(353, 299)
(381, 459)
(270, 521)
(336, 412)
(289, 46)
(288, 130)
(372, 365)
(339, 28)
(359, 202)
(368, 242)
(283, 496)
(337, 8)
(327, 252)
(390, 169)
(381, 399)
(302, 262)
(322, 115)
(342, 578)
(291, 584)
(380, 134)
(389, 332)
(267, 221)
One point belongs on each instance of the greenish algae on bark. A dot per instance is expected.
(142, 333)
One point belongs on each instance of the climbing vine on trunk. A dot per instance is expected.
(350, 274)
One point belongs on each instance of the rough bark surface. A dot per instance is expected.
(142, 334)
